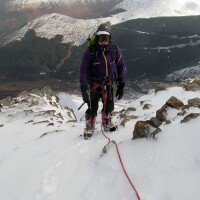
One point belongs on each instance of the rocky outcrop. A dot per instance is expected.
(164, 86)
(150, 128)
(192, 87)
(38, 107)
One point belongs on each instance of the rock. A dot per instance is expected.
(146, 106)
(154, 133)
(164, 86)
(122, 111)
(192, 87)
(130, 109)
(41, 122)
(125, 119)
(197, 81)
(7, 101)
(155, 122)
(183, 112)
(141, 130)
(194, 102)
(61, 117)
(190, 117)
(173, 102)
(50, 124)
(161, 87)
(161, 113)
(122, 115)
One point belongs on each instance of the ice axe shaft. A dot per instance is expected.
(81, 106)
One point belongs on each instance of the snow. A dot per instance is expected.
(40, 3)
(77, 30)
(184, 73)
(157, 8)
(62, 165)
(74, 31)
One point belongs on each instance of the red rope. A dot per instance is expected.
(121, 162)
(118, 153)
(125, 172)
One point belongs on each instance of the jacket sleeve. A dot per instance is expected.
(84, 68)
(121, 68)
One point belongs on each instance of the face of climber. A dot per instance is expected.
(103, 38)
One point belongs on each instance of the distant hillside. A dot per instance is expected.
(158, 46)
(151, 48)
(11, 21)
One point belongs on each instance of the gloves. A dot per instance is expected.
(85, 93)
(120, 90)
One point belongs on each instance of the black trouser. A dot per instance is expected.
(96, 95)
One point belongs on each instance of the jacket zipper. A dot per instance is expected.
(106, 62)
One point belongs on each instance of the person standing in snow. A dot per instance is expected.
(102, 63)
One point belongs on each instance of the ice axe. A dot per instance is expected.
(81, 106)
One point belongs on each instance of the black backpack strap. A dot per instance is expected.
(93, 53)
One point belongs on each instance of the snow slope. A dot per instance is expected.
(157, 8)
(61, 165)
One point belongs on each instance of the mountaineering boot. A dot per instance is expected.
(90, 126)
(107, 123)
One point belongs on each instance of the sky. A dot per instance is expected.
(62, 165)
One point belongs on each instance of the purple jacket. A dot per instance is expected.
(103, 65)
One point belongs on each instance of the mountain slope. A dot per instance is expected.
(134, 8)
(156, 8)
(61, 165)
(48, 26)
(42, 3)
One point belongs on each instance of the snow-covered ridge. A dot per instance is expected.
(73, 30)
(133, 8)
(35, 107)
(45, 3)
(77, 30)
(157, 8)
(190, 72)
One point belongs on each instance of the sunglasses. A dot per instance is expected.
(103, 38)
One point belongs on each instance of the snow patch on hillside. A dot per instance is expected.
(75, 31)
(184, 73)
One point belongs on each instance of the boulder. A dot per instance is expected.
(194, 102)
(190, 117)
(161, 113)
(192, 87)
(141, 130)
(155, 122)
(173, 102)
